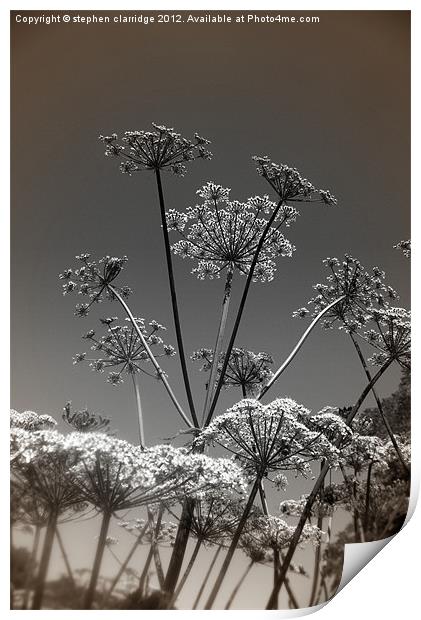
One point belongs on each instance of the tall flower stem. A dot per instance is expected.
(189, 567)
(367, 498)
(313, 495)
(65, 558)
(124, 564)
(318, 552)
(143, 576)
(239, 584)
(298, 346)
(139, 411)
(233, 545)
(151, 356)
(180, 545)
(45, 560)
(240, 311)
(174, 298)
(206, 579)
(219, 339)
(380, 406)
(31, 566)
(89, 596)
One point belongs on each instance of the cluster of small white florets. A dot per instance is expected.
(222, 234)
(31, 421)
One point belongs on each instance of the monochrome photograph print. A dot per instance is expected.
(210, 321)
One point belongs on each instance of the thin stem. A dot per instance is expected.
(143, 576)
(263, 499)
(380, 406)
(151, 356)
(180, 544)
(318, 552)
(312, 497)
(65, 558)
(233, 545)
(188, 568)
(239, 584)
(174, 298)
(240, 312)
(31, 566)
(139, 411)
(89, 596)
(298, 346)
(125, 564)
(367, 498)
(45, 560)
(219, 339)
(206, 579)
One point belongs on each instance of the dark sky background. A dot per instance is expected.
(331, 99)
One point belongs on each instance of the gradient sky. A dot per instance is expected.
(331, 99)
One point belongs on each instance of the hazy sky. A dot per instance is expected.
(331, 99)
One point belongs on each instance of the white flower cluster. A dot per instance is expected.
(279, 436)
(225, 234)
(392, 336)
(31, 421)
(160, 149)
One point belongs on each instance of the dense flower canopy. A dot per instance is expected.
(362, 292)
(42, 461)
(31, 421)
(282, 435)
(93, 280)
(160, 149)
(289, 185)
(122, 349)
(246, 370)
(112, 474)
(221, 234)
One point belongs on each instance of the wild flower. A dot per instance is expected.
(361, 291)
(222, 234)
(246, 370)
(405, 247)
(85, 421)
(93, 280)
(288, 183)
(273, 533)
(31, 421)
(279, 436)
(122, 349)
(160, 149)
(392, 338)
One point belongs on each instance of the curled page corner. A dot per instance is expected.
(358, 555)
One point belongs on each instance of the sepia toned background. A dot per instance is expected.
(331, 99)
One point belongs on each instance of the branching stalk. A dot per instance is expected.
(151, 356)
(206, 579)
(298, 346)
(219, 340)
(174, 299)
(312, 497)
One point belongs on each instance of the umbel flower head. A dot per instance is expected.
(405, 247)
(43, 462)
(163, 535)
(113, 474)
(92, 280)
(362, 291)
(161, 149)
(221, 234)
(288, 183)
(216, 517)
(31, 421)
(392, 337)
(122, 350)
(274, 534)
(246, 370)
(85, 421)
(280, 436)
